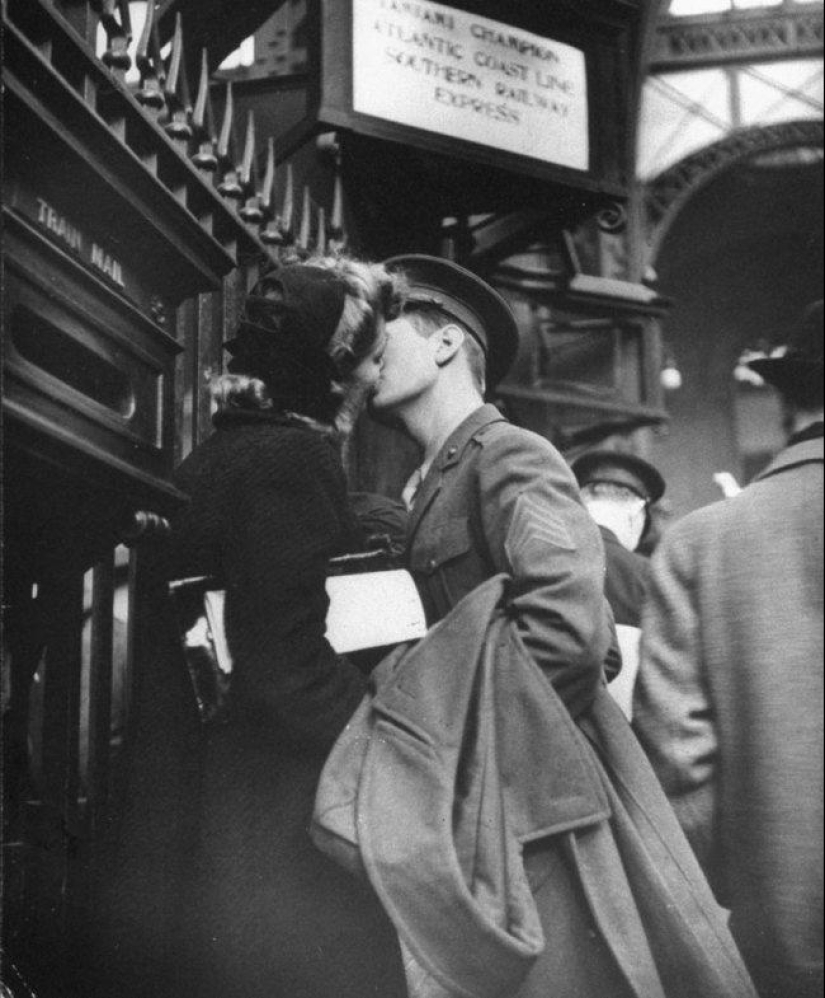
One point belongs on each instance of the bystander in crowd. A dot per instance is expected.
(729, 701)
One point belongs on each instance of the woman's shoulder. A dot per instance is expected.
(259, 450)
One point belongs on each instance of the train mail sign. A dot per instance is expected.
(456, 74)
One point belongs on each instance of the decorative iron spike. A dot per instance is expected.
(267, 190)
(287, 221)
(150, 64)
(117, 23)
(336, 221)
(321, 242)
(251, 211)
(247, 166)
(337, 235)
(304, 233)
(230, 185)
(203, 122)
(271, 234)
(176, 91)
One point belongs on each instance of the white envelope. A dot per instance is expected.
(372, 609)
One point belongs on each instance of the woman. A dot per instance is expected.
(274, 917)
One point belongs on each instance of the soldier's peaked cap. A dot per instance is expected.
(467, 298)
(619, 468)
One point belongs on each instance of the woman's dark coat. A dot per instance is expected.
(272, 916)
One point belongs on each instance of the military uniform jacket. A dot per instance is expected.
(499, 499)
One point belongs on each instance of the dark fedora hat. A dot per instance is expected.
(465, 296)
(797, 373)
(617, 468)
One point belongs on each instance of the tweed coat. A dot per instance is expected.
(271, 915)
(729, 707)
(499, 499)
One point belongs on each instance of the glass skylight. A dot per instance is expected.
(691, 8)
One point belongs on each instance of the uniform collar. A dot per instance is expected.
(456, 443)
(449, 455)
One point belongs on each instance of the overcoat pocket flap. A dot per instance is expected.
(551, 781)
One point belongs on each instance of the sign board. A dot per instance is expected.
(446, 71)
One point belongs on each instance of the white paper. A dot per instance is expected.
(372, 609)
(622, 686)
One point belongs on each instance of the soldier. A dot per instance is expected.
(492, 498)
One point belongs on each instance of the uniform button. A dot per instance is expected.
(452, 452)
(433, 564)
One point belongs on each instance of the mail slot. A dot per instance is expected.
(51, 350)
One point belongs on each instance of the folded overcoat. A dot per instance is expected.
(488, 859)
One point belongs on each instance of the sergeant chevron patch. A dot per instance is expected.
(535, 524)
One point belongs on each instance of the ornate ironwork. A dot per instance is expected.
(612, 218)
(287, 220)
(117, 23)
(203, 123)
(337, 235)
(149, 62)
(738, 36)
(665, 195)
(142, 525)
(229, 185)
(157, 310)
(163, 93)
(251, 211)
(271, 233)
(305, 231)
(176, 93)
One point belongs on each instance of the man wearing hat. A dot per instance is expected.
(490, 498)
(729, 700)
(618, 490)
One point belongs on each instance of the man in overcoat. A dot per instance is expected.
(490, 498)
(729, 696)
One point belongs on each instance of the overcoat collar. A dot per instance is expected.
(450, 454)
(806, 452)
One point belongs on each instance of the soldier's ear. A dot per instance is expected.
(448, 341)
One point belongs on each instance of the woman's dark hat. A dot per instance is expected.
(798, 373)
(295, 309)
(463, 295)
(616, 468)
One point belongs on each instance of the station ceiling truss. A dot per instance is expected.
(739, 36)
(669, 191)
